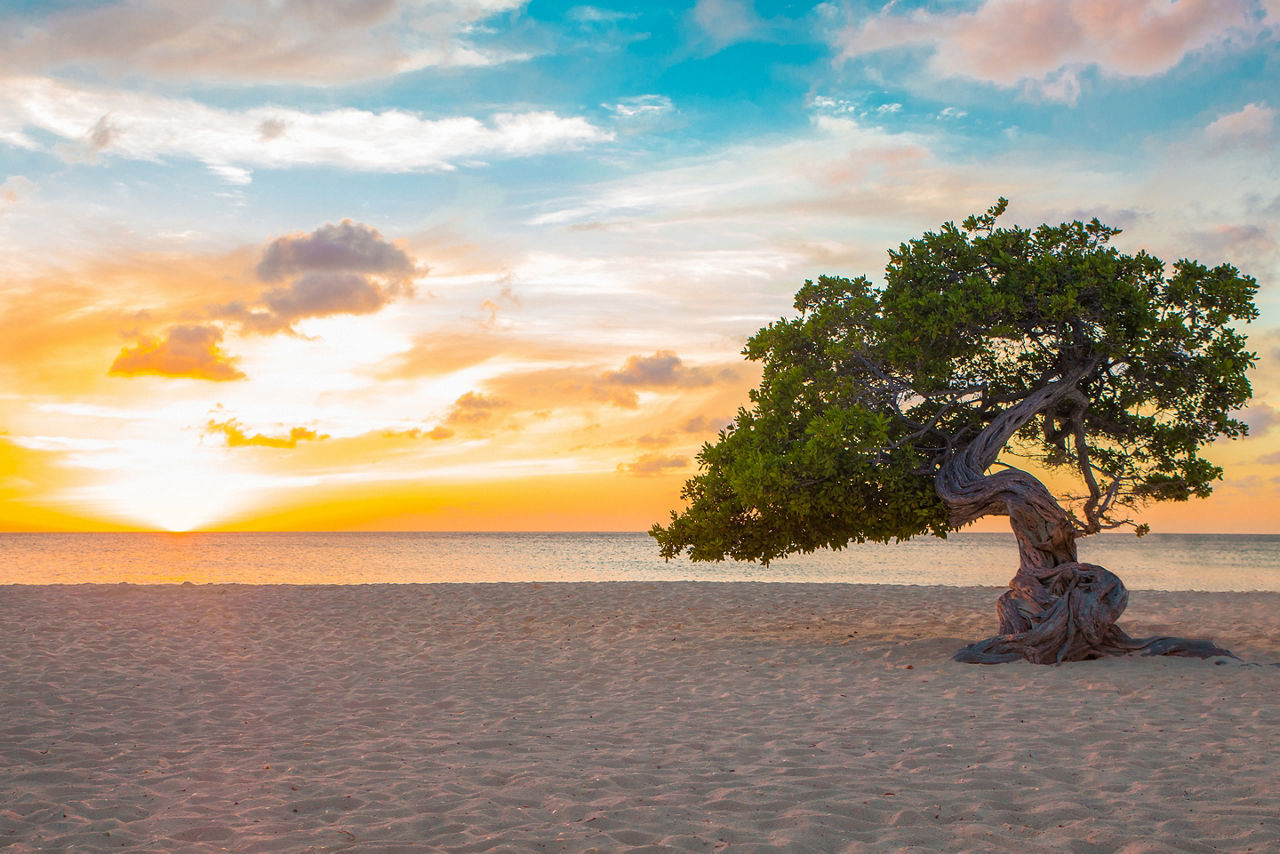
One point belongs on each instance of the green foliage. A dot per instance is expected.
(870, 389)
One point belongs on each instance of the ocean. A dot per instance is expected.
(1215, 562)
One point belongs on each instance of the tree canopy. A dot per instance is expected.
(1046, 344)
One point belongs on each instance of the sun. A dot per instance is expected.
(191, 495)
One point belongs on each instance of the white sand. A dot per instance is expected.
(687, 716)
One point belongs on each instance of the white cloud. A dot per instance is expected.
(140, 126)
(231, 174)
(641, 105)
(834, 106)
(285, 41)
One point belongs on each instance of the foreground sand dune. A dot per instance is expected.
(619, 716)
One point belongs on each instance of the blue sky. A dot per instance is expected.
(597, 204)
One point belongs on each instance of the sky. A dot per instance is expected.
(490, 264)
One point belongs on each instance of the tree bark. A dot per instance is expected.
(1056, 609)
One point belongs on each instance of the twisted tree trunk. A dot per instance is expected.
(1056, 609)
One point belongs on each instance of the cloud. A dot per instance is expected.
(596, 15)
(93, 141)
(473, 408)
(703, 424)
(443, 353)
(347, 246)
(291, 41)
(185, 351)
(343, 268)
(14, 189)
(1048, 43)
(550, 388)
(579, 387)
(436, 433)
(663, 368)
(698, 424)
(1260, 417)
(843, 167)
(1252, 126)
(320, 294)
(95, 123)
(1234, 241)
(347, 268)
(652, 464)
(726, 21)
(640, 106)
(231, 174)
(236, 437)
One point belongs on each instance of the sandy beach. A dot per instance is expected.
(619, 716)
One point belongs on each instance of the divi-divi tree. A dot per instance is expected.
(991, 361)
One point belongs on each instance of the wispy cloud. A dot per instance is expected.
(295, 41)
(100, 123)
(640, 106)
(597, 15)
(724, 22)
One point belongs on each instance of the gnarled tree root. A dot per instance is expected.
(1068, 613)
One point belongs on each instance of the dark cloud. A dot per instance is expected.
(346, 268)
(320, 294)
(472, 408)
(101, 134)
(651, 464)
(703, 424)
(1260, 417)
(348, 247)
(1247, 245)
(251, 320)
(1269, 459)
(236, 436)
(185, 351)
(697, 424)
(91, 143)
(663, 368)
(272, 129)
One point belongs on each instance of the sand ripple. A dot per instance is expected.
(619, 716)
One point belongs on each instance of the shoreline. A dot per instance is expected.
(619, 714)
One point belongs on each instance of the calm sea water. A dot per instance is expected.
(1156, 562)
